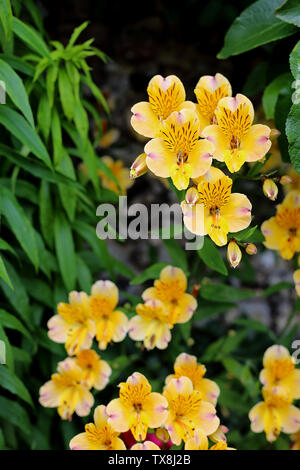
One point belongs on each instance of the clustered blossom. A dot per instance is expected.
(187, 137)
(165, 304)
(183, 412)
(281, 386)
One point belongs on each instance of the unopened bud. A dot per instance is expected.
(139, 166)
(234, 254)
(191, 196)
(270, 189)
(285, 179)
(251, 249)
(274, 133)
(219, 434)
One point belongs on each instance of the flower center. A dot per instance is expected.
(282, 368)
(215, 195)
(169, 292)
(288, 219)
(208, 101)
(101, 307)
(133, 396)
(181, 139)
(163, 103)
(234, 124)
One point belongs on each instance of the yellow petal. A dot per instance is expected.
(221, 143)
(237, 212)
(199, 441)
(200, 157)
(118, 416)
(106, 289)
(273, 233)
(159, 159)
(144, 120)
(256, 142)
(156, 408)
(147, 445)
(58, 329)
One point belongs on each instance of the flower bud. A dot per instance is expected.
(219, 434)
(285, 179)
(270, 189)
(251, 249)
(274, 133)
(139, 167)
(234, 254)
(191, 196)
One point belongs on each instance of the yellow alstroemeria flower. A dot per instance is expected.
(209, 91)
(213, 210)
(121, 173)
(96, 371)
(279, 371)
(179, 152)
(66, 391)
(213, 174)
(186, 365)
(235, 139)
(147, 445)
(137, 408)
(282, 232)
(111, 324)
(187, 411)
(98, 436)
(274, 414)
(296, 441)
(170, 289)
(165, 96)
(73, 325)
(199, 441)
(151, 325)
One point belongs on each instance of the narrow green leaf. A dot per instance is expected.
(223, 293)
(6, 19)
(31, 37)
(210, 255)
(23, 131)
(96, 92)
(83, 275)
(15, 90)
(7, 320)
(46, 213)
(51, 78)
(65, 250)
(68, 195)
(8, 352)
(177, 254)
(4, 275)
(9, 381)
(19, 224)
(18, 298)
(77, 31)
(66, 93)
(14, 413)
(44, 116)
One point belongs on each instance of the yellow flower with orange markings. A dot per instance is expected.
(274, 414)
(151, 325)
(165, 96)
(111, 324)
(98, 435)
(170, 289)
(282, 232)
(215, 211)
(137, 408)
(96, 371)
(73, 325)
(279, 371)
(235, 139)
(121, 174)
(186, 365)
(178, 152)
(187, 411)
(209, 90)
(147, 445)
(67, 391)
(211, 176)
(296, 441)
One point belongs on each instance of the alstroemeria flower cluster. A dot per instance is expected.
(69, 388)
(165, 304)
(281, 386)
(86, 317)
(183, 412)
(186, 136)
